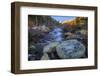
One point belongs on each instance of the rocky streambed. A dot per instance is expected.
(55, 45)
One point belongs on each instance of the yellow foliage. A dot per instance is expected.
(73, 22)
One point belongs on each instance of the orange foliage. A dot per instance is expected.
(72, 23)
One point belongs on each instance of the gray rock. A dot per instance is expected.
(70, 49)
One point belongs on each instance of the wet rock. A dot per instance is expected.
(50, 50)
(49, 47)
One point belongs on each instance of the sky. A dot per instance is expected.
(62, 18)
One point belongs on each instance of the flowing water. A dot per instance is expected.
(54, 35)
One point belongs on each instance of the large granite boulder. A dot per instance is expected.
(70, 49)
